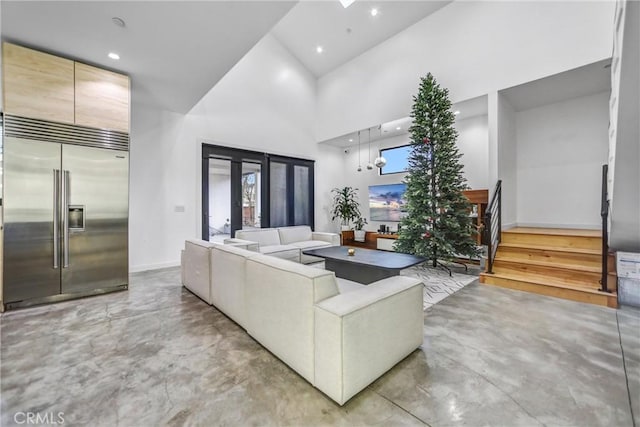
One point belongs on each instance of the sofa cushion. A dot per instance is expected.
(263, 236)
(280, 308)
(311, 244)
(195, 268)
(345, 285)
(228, 278)
(290, 235)
(313, 261)
(244, 244)
(289, 252)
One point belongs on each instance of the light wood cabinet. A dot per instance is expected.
(101, 98)
(372, 240)
(43, 86)
(37, 84)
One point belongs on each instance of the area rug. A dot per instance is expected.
(438, 285)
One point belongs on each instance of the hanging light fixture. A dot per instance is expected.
(359, 164)
(369, 165)
(380, 161)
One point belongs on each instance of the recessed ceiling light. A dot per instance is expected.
(114, 55)
(346, 3)
(398, 128)
(455, 113)
(374, 11)
(319, 49)
(350, 139)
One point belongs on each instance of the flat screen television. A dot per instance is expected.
(387, 202)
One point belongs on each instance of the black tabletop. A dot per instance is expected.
(371, 257)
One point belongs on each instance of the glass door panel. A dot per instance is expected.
(236, 194)
(250, 181)
(301, 199)
(219, 199)
(278, 194)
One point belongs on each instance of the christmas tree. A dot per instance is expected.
(437, 225)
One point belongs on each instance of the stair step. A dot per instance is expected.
(562, 257)
(552, 248)
(555, 289)
(549, 274)
(588, 267)
(576, 232)
(587, 277)
(558, 238)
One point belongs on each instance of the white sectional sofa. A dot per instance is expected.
(286, 242)
(196, 265)
(338, 335)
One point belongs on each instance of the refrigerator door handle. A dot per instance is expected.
(65, 219)
(56, 216)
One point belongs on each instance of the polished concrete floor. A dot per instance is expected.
(157, 355)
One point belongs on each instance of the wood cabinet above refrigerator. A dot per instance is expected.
(37, 84)
(43, 86)
(102, 98)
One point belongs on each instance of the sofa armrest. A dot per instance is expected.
(244, 244)
(362, 334)
(332, 238)
(200, 242)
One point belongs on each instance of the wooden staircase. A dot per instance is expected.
(562, 263)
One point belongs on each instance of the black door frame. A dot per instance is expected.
(237, 156)
(291, 162)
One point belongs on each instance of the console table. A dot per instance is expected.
(372, 240)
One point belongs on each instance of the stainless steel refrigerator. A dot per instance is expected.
(66, 194)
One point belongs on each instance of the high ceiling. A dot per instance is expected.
(345, 33)
(174, 51)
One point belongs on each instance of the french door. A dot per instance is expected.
(233, 191)
(244, 189)
(291, 191)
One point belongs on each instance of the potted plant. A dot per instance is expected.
(359, 234)
(345, 205)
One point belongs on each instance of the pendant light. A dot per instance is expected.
(369, 165)
(359, 164)
(380, 161)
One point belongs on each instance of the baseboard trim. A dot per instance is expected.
(508, 226)
(149, 267)
(549, 225)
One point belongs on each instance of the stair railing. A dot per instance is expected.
(493, 225)
(604, 213)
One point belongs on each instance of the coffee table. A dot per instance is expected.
(366, 265)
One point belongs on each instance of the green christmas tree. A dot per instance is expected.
(437, 225)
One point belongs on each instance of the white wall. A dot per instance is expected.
(472, 142)
(161, 178)
(219, 200)
(560, 152)
(472, 48)
(507, 161)
(265, 103)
